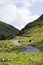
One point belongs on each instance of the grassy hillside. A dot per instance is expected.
(33, 33)
(21, 59)
(8, 46)
(7, 31)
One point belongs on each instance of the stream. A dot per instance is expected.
(27, 48)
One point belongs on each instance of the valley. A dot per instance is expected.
(23, 47)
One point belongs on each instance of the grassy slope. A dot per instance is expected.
(16, 58)
(34, 32)
(22, 59)
(7, 31)
(8, 46)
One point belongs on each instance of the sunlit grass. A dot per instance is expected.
(8, 46)
(23, 59)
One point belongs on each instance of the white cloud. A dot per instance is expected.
(26, 3)
(8, 13)
(34, 1)
(3, 2)
(18, 16)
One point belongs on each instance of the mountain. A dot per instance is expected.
(30, 27)
(7, 31)
(34, 31)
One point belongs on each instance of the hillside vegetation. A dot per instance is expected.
(7, 31)
(35, 58)
(33, 33)
(8, 46)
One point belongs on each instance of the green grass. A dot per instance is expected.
(19, 58)
(8, 46)
(23, 59)
(16, 57)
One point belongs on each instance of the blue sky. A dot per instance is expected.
(20, 12)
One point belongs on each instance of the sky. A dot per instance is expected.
(20, 12)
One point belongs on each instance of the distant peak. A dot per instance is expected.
(41, 17)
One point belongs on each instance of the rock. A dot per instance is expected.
(30, 40)
(18, 41)
(31, 59)
(2, 60)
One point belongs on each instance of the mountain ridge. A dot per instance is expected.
(32, 24)
(7, 31)
(34, 32)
